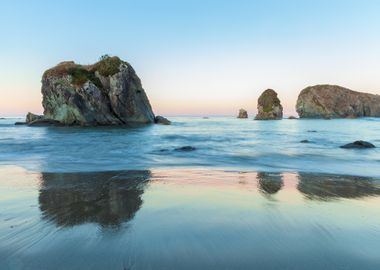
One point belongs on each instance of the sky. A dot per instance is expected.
(194, 57)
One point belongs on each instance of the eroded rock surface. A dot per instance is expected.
(106, 93)
(332, 101)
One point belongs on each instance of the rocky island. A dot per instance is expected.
(108, 92)
(243, 114)
(332, 101)
(269, 106)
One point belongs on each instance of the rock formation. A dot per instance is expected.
(332, 101)
(269, 106)
(106, 93)
(30, 117)
(243, 114)
(161, 120)
(358, 145)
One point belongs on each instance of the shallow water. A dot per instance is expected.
(187, 219)
(250, 196)
(220, 142)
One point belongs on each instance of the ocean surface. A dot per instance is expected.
(249, 195)
(221, 142)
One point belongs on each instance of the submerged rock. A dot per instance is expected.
(269, 106)
(106, 93)
(358, 145)
(161, 120)
(185, 148)
(30, 117)
(305, 141)
(21, 123)
(332, 101)
(243, 114)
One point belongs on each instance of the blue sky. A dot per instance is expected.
(194, 57)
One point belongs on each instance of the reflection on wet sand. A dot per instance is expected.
(105, 198)
(328, 187)
(269, 183)
(187, 219)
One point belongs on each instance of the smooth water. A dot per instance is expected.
(187, 219)
(220, 142)
(250, 196)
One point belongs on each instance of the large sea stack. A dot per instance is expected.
(332, 101)
(269, 106)
(106, 93)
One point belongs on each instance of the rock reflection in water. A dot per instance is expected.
(269, 183)
(329, 187)
(106, 198)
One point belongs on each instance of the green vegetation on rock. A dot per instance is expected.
(81, 75)
(106, 66)
(268, 100)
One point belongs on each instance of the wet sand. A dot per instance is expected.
(188, 219)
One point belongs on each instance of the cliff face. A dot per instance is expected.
(332, 101)
(269, 106)
(106, 93)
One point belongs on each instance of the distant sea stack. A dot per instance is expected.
(332, 101)
(106, 93)
(269, 106)
(243, 114)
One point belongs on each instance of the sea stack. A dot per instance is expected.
(243, 114)
(332, 101)
(106, 93)
(269, 106)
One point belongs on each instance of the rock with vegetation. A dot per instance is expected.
(106, 93)
(332, 101)
(269, 106)
(162, 120)
(358, 145)
(243, 114)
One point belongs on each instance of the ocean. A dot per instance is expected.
(216, 193)
(220, 142)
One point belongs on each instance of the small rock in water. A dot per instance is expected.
(312, 131)
(30, 117)
(292, 117)
(161, 120)
(305, 141)
(20, 123)
(243, 114)
(358, 145)
(185, 148)
(205, 117)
